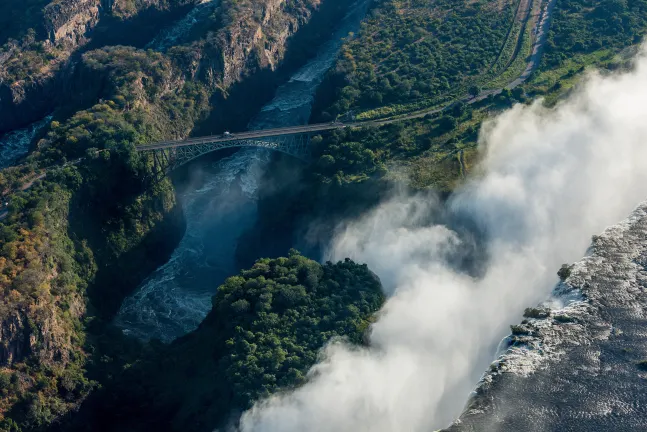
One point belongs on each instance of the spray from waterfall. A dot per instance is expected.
(549, 179)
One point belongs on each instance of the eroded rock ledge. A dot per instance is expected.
(579, 367)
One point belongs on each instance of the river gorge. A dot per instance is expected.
(220, 205)
(433, 270)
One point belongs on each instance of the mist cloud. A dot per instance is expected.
(549, 179)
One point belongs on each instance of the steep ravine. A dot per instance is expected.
(220, 203)
(577, 362)
(112, 227)
(130, 269)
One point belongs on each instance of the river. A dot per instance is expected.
(219, 208)
(15, 144)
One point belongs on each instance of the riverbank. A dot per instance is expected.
(219, 196)
(111, 227)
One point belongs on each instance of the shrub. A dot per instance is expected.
(564, 272)
(536, 313)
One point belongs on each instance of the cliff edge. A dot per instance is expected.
(578, 362)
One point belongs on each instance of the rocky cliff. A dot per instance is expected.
(35, 73)
(578, 362)
(244, 37)
(25, 101)
(239, 39)
(37, 331)
(125, 9)
(260, 42)
(70, 21)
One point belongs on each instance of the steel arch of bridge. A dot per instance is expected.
(172, 156)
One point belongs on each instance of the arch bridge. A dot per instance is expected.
(294, 141)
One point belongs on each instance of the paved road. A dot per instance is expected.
(541, 34)
(264, 133)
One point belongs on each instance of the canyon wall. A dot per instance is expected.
(36, 73)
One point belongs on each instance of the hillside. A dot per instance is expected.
(78, 241)
(398, 64)
(262, 336)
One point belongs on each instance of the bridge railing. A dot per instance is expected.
(265, 133)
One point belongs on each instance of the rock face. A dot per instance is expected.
(582, 367)
(69, 21)
(66, 26)
(36, 330)
(31, 89)
(127, 8)
(16, 340)
(24, 102)
(253, 37)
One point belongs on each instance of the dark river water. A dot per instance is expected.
(221, 207)
(15, 144)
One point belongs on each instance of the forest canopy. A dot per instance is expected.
(266, 329)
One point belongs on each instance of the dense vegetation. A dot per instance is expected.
(415, 55)
(263, 334)
(585, 26)
(43, 278)
(434, 151)
(78, 241)
(415, 49)
(401, 56)
(144, 97)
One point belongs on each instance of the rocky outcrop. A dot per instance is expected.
(32, 83)
(125, 9)
(254, 36)
(69, 21)
(580, 364)
(17, 340)
(36, 330)
(31, 72)
(24, 102)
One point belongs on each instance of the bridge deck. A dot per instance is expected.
(265, 133)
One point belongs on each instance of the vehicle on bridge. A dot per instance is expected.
(227, 134)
